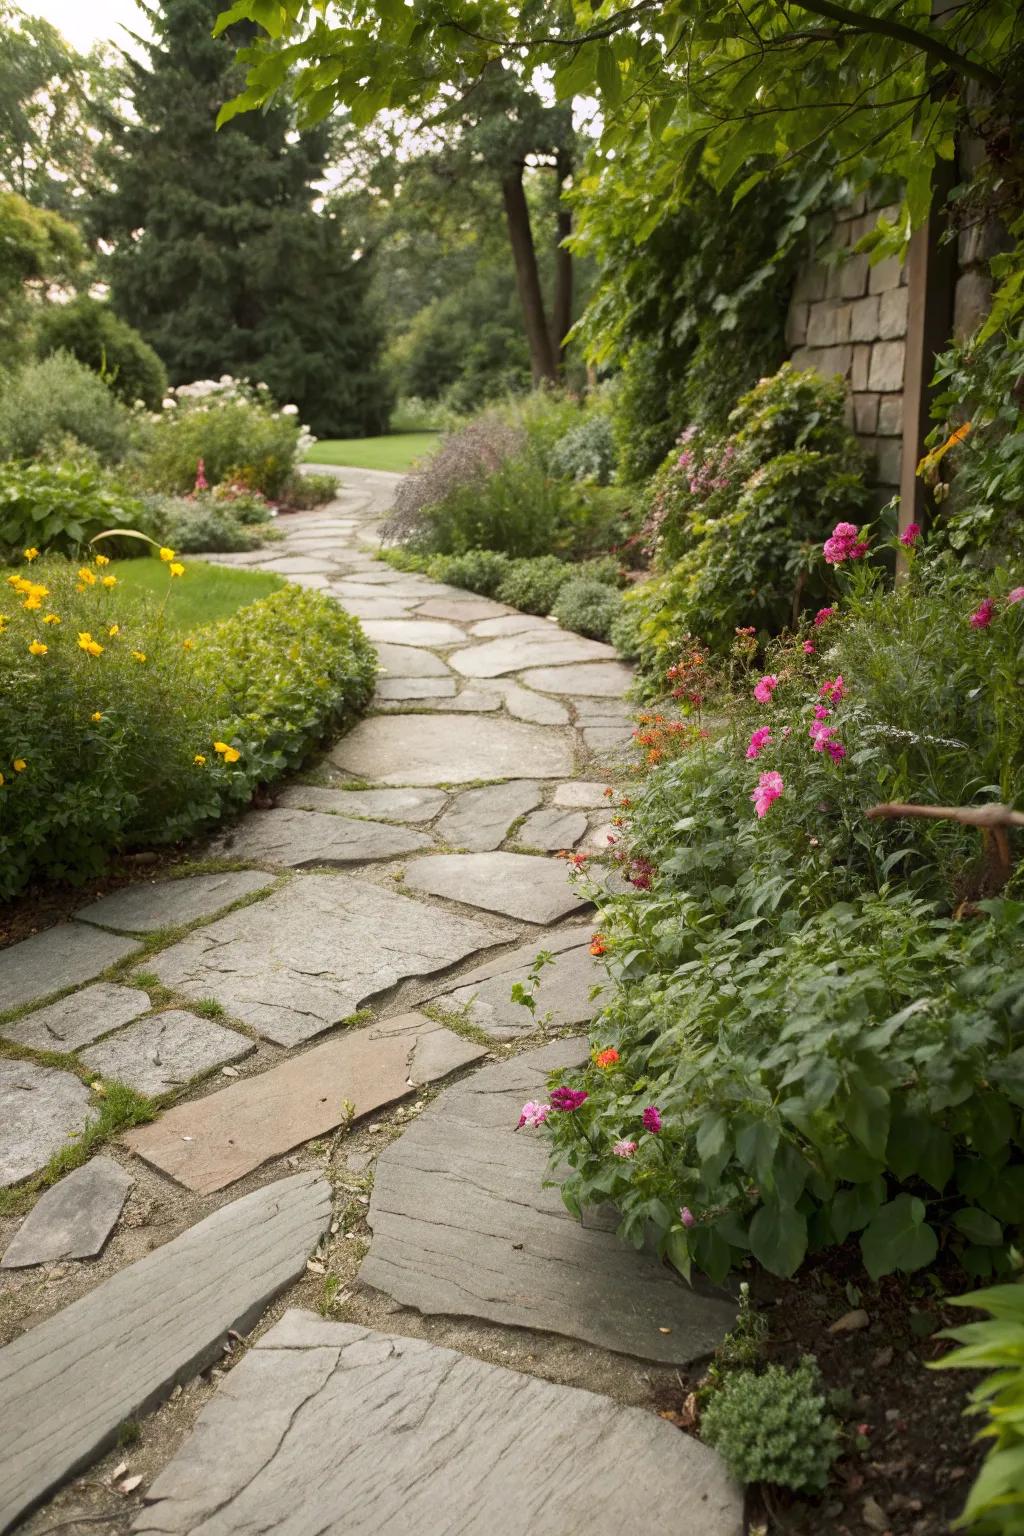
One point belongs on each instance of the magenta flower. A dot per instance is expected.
(533, 1114)
(568, 1099)
(843, 545)
(835, 750)
(822, 616)
(759, 740)
(981, 618)
(651, 1118)
(834, 690)
(202, 484)
(820, 712)
(1016, 596)
(764, 689)
(686, 1216)
(769, 788)
(624, 1148)
(809, 649)
(910, 535)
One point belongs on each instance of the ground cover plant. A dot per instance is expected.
(120, 729)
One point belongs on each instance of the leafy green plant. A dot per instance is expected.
(193, 526)
(533, 585)
(995, 1504)
(303, 491)
(59, 506)
(91, 332)
(587, 451)
(587, 606)
(57, 407)
(234, 431)
(774, 1428)
(478, 570)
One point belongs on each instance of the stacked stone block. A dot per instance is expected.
(849, 317)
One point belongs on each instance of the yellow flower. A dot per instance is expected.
(19, 765)
(102, 559)
(89, 577)
(140, 656)
(38, 648)
(96, 716)
(187, 644)
(79, 586)
(1, 781)
(4, 621)
(115, 629)
(199, 758)
(30, 554)
(89, 645)
(51, 618)
(166, 554)
(32, 601)
(176, 568)
(110, 581)
(229, 754)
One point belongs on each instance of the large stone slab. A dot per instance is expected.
(295, 565)
(73, 1219)
(144, 908)
(463, 1225)
(377, 608)
(69, 1383)
(608, 679)
(209, 1143)
(533, 648)
(552, 828)
(56, 959)
(426, 632)
(512, 624)
(161, 1053)
(303, 839)
(393, 804)
(582, 794)
(518, 884)
(461, 610)
(329, 1429)
(79, 1018)
(479, 819)
(563, 996)
(40, 1110)
(415, 688)
(524, 704)
(450, 749)
(407, 661)
(311, 954)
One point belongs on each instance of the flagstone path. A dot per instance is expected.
(365, 955)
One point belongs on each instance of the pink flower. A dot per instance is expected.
(769, 788)
(686, 1216)
(202, 484)
(835, 750)
(820, 712)
(910, 535)
(981, 618)
(533, 1114)
(1016, 596)
(759, 740)
(808, 648)
(834, 690)
(651, 1118)
(764, 689)
(822, 616)
(568, 1099)
(819, 733)
(624, 1148)
(843, 545)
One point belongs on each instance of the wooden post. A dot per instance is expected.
(931, 284)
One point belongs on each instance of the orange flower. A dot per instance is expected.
(606, 1059)
(597, 944)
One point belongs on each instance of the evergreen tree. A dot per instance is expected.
(219, 257)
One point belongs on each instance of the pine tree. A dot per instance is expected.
(218, 255)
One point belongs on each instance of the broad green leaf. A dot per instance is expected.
(853, 1208)
(978, 1226)
(898, 1237)
(778, 1238)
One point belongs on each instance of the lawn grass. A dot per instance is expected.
(204, 594)
(396, 452)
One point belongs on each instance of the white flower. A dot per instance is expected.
(226, 378)
(167, 403)
(289, 410)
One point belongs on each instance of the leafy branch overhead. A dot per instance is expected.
(727, 91)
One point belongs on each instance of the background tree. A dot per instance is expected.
(220, 258)
(37, 248)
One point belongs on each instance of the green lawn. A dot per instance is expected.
(396, 452)
(204, 594)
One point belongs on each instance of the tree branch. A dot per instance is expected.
(861, 21)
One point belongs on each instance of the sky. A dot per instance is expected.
(84, 22)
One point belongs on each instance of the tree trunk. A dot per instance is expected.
(542, 353)
(561, 314)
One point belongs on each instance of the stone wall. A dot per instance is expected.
(849, 317)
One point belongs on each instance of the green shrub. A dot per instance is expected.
(60, 506)
(774, 1428)
(533, 585)
(588, 607)
(735, 523)
(829, 1052)
(114, 732)
(49, 407)
(625, 631)
(194, 526)
(995, 1504)
(233, 430)
(478, 570)
(304, 491)
(92, 333)
(587, 451)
